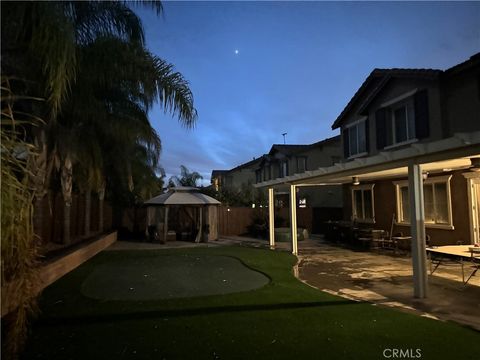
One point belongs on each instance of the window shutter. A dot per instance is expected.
(380, 124)
(422, 128)
(346, 152)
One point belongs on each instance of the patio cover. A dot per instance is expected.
(450, 153)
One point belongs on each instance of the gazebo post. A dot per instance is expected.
(165, 225)
(199, 234)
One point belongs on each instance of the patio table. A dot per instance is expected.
(457, 254)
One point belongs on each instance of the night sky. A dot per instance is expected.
(260, 69)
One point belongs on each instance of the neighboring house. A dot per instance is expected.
(286, 160)
(240, 178)
(217, 179)
(398, 109)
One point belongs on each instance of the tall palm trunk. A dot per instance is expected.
(39, 170)
(66, 182)
(88, 208)
(101, 198)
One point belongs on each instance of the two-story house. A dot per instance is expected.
(397, 109)
(239, 179)
(284, 160)
(411, 158)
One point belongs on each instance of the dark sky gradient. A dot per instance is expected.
(298, 65)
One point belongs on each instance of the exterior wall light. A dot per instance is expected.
(355, 180)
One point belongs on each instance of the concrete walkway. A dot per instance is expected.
(385, 279)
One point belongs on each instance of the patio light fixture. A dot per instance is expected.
(355, 180)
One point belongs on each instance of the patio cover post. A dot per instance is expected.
(271, 217)
(293, 218)
(417, 219)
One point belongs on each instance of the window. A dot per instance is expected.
(401, 127)
(258, 176)
(266, 173)
(402, 120)
(284, 168)
(362, 203)
(301, 164)
(437, 202)
(357, 143)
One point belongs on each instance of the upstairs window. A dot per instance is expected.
(402, 120)
(301, 164)
(355, 139)
(258, 176)
(283, 169)
(267, 173)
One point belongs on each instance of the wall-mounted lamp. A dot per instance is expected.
(355, 180)
(425, 175)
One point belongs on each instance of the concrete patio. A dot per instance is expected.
(386, 280)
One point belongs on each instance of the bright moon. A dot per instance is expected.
(236, 51)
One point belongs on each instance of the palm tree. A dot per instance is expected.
(186, 178)
(45, 48)
(39, 47)
(126, 86)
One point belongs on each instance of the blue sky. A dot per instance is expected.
(298, 65)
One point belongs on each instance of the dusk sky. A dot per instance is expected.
(260, 69)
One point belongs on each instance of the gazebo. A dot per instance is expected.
(183, 213)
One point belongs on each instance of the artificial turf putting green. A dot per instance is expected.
(170, 276)
(284, 319)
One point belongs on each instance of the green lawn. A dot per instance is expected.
(283, 319)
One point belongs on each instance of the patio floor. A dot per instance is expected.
(386, 279)
(382, 278)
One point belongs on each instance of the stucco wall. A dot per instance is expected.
(462, 101)
(385, 207)
(395, 88)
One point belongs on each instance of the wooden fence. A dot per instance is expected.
(235, 221)
(49, 219)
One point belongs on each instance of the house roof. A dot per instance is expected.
(292, 149)
(379, 78)
(472, 61)
(433, 156)
(248, 164)
(219, 172)
(182, 195)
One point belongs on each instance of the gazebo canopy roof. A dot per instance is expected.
(182, 195)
